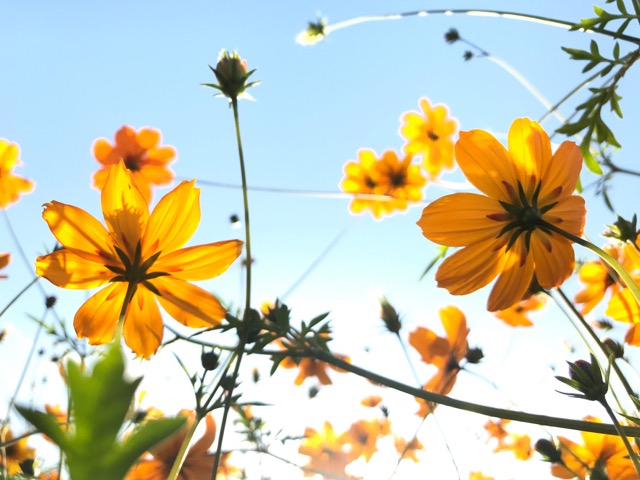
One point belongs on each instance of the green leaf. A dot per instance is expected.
(318, 319)
(442, 252)
(589, 160)
(146, 436)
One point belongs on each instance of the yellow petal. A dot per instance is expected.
(560, 175)
(530, 149)
(461, 219)
(471, 268)
(9, 155)
(554, 258)
(11, 187)
(190, 305)
(429, 345)
(568, 215)
(455, 324)
(4, 259)
(200, 262)
(173, 221)
(97, 318)
(125, 210)
(624, 308)
(79, 232)
(65, 269)
(486, 164)
(514, 280)
(143, 327)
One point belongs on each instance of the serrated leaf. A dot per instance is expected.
(146, 436)
(46, 423)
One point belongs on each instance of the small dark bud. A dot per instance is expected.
(385, 411)
(603, 324)
(210, 360)
(613, 348)
(27, 467)
(474, 355)
(586, 377)
(452, 36)
(468, 55)
(139, 416)
(50, 301)
(548, 450)
(255, 375)
(228, 382)
(313, 391)
(234, 219)
(390, 316)
(624, 230)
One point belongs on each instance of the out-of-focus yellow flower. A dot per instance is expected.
(505, 232)
(382, 185)
(371, 401)
(444, 353)
(315, 32)
(11, 185)
(517, 314)
(310, 367)
(5, 258)
(519, 444)
(138, 251)
(600, 456)
(198, 462)
(16, 453)
(327, 452)
(430, 134)
(479, 476)
(408, 449)
(363, 436)
(142, 155)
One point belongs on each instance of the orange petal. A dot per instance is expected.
(203, 444)
(148, 138)
(530, 149)
(143, 327)
(11, 187)
(125, 210)
(554, 258)
(9, 155)
(102, 151)
(486, 164)
(65, 269)
(80, 232)
(560, 175)
(190, 305)
(461, 219)
(455, 324)
(471, 268)
(4, 259)
(568, 215)
(173, 221)
(429, 345)
(97, 318)
(514, 280)
(200, 262)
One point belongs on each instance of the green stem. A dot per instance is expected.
(535, 419)
(478, 13)
(182, 453)
(245, 198)
(131, 290)
(612, 262)
(20, 293)
(632, 454)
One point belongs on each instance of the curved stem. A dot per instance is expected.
(612, 262)
(182, 453)
(478, 13)
(19, 294)
(535, 419)
(632, 454)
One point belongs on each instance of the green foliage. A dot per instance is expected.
(101, 400)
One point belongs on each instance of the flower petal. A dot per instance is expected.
(11, 187)
(561, 173)
(486, 164)
(568, 215)
(65, 269)
(190, 305)
(125, 211)
(97, 318)
(80, 232)
(143, 327)
(200, 262)
(471, 268)
(461, 219)
(455, 324)
(173, 221)
(554, 258)
(203, 444)
(530, 149)
(515, 279)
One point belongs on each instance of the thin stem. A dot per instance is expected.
(477, 13)
(131, 290)
(575, 90)
(245, 198)
(20, 293)
(612, 262)
(632, 454)
(535, 419)
(576, 314)
(182, 453)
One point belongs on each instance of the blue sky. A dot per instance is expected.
(73, 72)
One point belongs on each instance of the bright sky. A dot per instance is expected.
(73, 72)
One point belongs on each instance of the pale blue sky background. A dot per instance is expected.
(72, 72)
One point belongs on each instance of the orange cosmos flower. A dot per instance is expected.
(198, 463)
(142, 155)
(444, 353)
(138, 251)
(430, 133)
(408, 449)
(11, 186)
(507, 232)
(16, 453)
(516, 314)
(5, 258)
(388, 176)
(363, 436)
(600, 456)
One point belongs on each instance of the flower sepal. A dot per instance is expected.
(586, 377)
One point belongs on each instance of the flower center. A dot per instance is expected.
(132, 162)
(136, 271)
(432, 136)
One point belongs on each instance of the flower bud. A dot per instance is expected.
(231, 73)
(613, 348)
(548, 450)
(586, 377)
(210, 360)
(390, 316)
(624, 230)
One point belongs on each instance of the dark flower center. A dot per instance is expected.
(132, 162)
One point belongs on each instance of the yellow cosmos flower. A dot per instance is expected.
(510, 232)
(11, 186)
(327, 452)
(136, 250)
(517, 314)
(372, 179)
(141, 153)
(430, 133)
